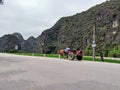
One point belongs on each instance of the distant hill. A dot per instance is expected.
(76, 31)
(10, 41)
(19, 37)
(30, 45)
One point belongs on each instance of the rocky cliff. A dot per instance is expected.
(9, 42)
(30, 45)
(77, 31)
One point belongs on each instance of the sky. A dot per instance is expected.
(32, 17)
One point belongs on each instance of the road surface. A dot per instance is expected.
(36, 73)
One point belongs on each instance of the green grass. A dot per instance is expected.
(87, 58)
(99, 60)
(51, 55)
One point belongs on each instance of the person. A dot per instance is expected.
(67, 50)
(79, 54)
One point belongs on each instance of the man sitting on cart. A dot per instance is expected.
(67, 50)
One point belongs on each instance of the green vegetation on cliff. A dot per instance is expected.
(76, 31)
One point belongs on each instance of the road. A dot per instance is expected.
(41, 73)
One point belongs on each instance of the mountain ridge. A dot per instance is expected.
(77, 32)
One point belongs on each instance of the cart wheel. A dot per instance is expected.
(71, 56)
(79, 57)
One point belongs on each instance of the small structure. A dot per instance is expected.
(16, 47)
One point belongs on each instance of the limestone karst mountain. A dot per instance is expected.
(77, 32)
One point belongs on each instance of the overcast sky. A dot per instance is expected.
(32, 17)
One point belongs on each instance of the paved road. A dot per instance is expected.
(35, 73)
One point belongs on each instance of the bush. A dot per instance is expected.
(88, 52)
(114, 53)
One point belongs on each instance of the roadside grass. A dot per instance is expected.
(89, 58)
(41, 55)
(86, 58)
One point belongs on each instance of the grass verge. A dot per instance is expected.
(87, 58)
(99, 60)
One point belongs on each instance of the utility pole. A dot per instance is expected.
(96, 18)
(94, 44)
